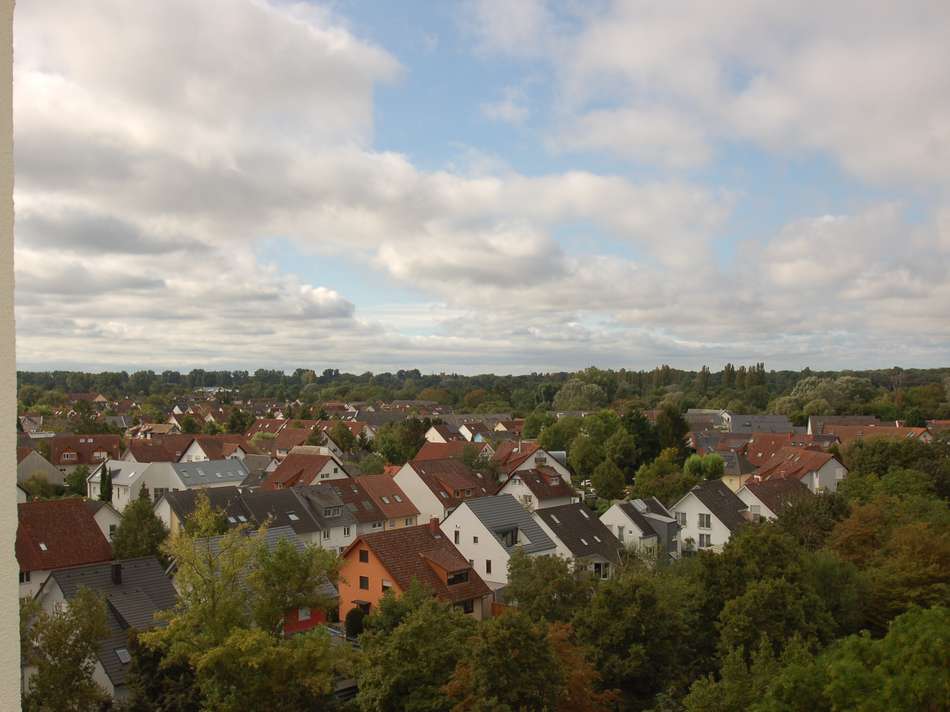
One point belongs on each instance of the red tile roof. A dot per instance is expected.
(296, 469)
(451, 480)
(265, 425)
(847, 434)
(22, 452)
(442, 451)
(289, 438)
(388, 496)
(159, 448)
(776, 493)
(419, 553)
(56, 533)
(512, 453)
(794, 463)
(545, 483)
(357, 500)
(85, 447)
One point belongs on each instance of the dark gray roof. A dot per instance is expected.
(502, 512)
(722, 502)
(256, 466)
(741, 423)
(227, 499)
(211, 472)
(653, 519)
(638, 518)
(581, 531)
(145, 590)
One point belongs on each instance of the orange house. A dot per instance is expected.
(389, 560)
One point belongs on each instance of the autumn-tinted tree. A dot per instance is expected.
(372, 464)
(809, 519)
(547, 587)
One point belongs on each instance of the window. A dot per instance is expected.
(303, 613)
(408, 521)
(346, 531)
(467, 606)
(364, 583)
(69, 456)
(24, 577)
(756, 511)
(602, 570)
(474, 539)
(681, 518)
(457, 577)
(292, 516)
(527, 498)
(43, 547)
(331, 511)
(585, 514)
(619, 532)
(364, 556)
(123, 655)
(584, 541)
(705, 521)
(386, 585)
(112, 528)
(705, 541)
(488, 566)
(377, 525)
(324, 475)
(455, 536)
(397, 498)
(516, 480)
(385, 499)
(326, 533)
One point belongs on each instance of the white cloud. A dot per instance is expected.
(511, 108)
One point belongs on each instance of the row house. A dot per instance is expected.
(67, 452)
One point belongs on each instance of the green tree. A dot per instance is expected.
(547, 587)
(211, 428)
(62, 646)
(809, 519)
(559, 434)
(76, 481)
(509, 664)
(536, 421)
(105, 483)
(621, 449)
(644, 436)
(353, 624)
(190, 425)
(372, 464)
(714, 467)
(342, 436)
(578, 395)
(671, 429)
(158, 684)
(239, 421)
(416, 627)
(607, 480)
(584, 455)
(141, 532)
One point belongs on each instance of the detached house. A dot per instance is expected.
(767, 499)
(31, 464)
(538, 488)
(644, 525)
(391, 560)
(819, 471)
(437, 487)
(134, 589)
(67, 452)
(516, 455)
(581, 538)
(56, 534)
(443, 433)
(475, 432)
(708, 515)
(486, 530)
(305, 466)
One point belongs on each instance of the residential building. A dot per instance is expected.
(436, 487)
(817, 470)
(581, 537)
(742, 423)
(643, 525)
(515, 455)
(816, 423)
(56, 534)
(107, 519)
(161, 448)
(32, 464)
(369, 517)
(390, 560)
(768, 498)
(848, 434)
(391, 500)
(708, 516)
(135, 589)
(442, 433)
(538, 488)
(67, 452)
(487, 529)
(305, 466)
(453, 448)
(475, 432)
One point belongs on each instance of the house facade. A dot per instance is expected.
(708, 515)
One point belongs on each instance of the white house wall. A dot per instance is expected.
(693, 507)
(488, 548)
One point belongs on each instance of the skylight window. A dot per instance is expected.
(555, 519)
(43, 547)
(385, 500)
(597, 538)
(292, 516)
(397, 498)
(585, 514)
(584, 541)
(123, 655)
(444, 495)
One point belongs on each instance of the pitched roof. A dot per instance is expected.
(296, 469)
(745, 423)
(265, 425)
(417, 553)
(22, 452)
(56, 533)
(388, 496)
(288, 438)
(227, 499)
(448, 432)
(776, 493)
(793, 462)
(545, 483)
(144, 590)
(722, 502)
(512, 453)
(85, 447)
(210, 472)
(451, 480)
(817, 423)
(162, 448)
(502, 512)
(847, 434)
(638, 516)
(357, 500)
(581, 531)
(443, 451)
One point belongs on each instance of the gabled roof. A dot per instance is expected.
(144, 591)
(357, 500)
(56, 533)
(793, 462)
(581, 531)
(297, 469)
(746, 423)
(451, 480)
(443, 451)
(721, 501)
(164, 448)
(849, 433)
(210, 472)
(418, 553)
(448, 432)
(502, 512)
(85, 446)
(776, 493)
(388, 496)
(545, 483)
(226, 499)
(219, 447)
(512, 453)
(817, 423)
(288, 438)
(265, 425)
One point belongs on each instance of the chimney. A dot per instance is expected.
(116, 574)
(434, 526)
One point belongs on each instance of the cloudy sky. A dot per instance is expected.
(482, 186)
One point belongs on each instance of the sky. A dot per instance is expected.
(481, 186)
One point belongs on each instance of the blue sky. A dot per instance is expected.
(448, 185)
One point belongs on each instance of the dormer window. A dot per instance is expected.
(457, 577)
(332, 511)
